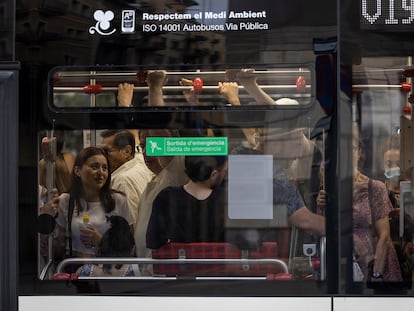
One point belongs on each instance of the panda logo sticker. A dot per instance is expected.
(103, 23)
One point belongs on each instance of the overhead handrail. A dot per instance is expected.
(78, 74)
(63, 89)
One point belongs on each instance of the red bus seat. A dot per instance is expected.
(212, 250)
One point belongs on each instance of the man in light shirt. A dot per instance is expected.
(129, 173)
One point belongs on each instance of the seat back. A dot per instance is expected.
(219, 251)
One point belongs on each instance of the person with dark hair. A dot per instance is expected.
(130, 175)
(193, 212)
(82, 212)
(117, 241)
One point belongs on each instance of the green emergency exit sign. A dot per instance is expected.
(186, 146)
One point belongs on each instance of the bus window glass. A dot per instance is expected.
(251, 82)
(248, 193)
(382, 214)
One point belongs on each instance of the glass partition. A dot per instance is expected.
(264, 222)
(378, 145)
(253, 82)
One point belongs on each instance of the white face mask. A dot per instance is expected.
(392, 172)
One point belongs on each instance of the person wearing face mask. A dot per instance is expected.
(402, 244)
(372, 241)
(193, 212)
(392, 173)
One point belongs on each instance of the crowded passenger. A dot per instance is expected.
(300, 168)
(393, 177)
(402, 241)
(193, 212)
(168, 171)
(373, 249)
(89, 197)
(286, 146)
(129, 174)
(372, 241)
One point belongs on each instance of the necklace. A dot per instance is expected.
(358, 179)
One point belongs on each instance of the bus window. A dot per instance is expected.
(262, 207)
(160, 83)
(381, 161)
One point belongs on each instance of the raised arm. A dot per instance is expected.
(230, 92)
(156, 80)
(248, 80)
(125, 95)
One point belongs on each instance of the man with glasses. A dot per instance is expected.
(129, 173)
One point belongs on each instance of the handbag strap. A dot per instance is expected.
(370, 200)
(69, 230)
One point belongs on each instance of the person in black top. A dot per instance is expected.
(193, 212)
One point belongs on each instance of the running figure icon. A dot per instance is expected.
(154, 146)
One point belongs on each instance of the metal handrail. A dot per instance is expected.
(209, 278)
(80, 74)
(377, 86)
(323, 258)
(63, 89)
(45, 269)
(102, 260)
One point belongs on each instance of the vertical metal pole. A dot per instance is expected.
(92, 132)
(50, 183)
